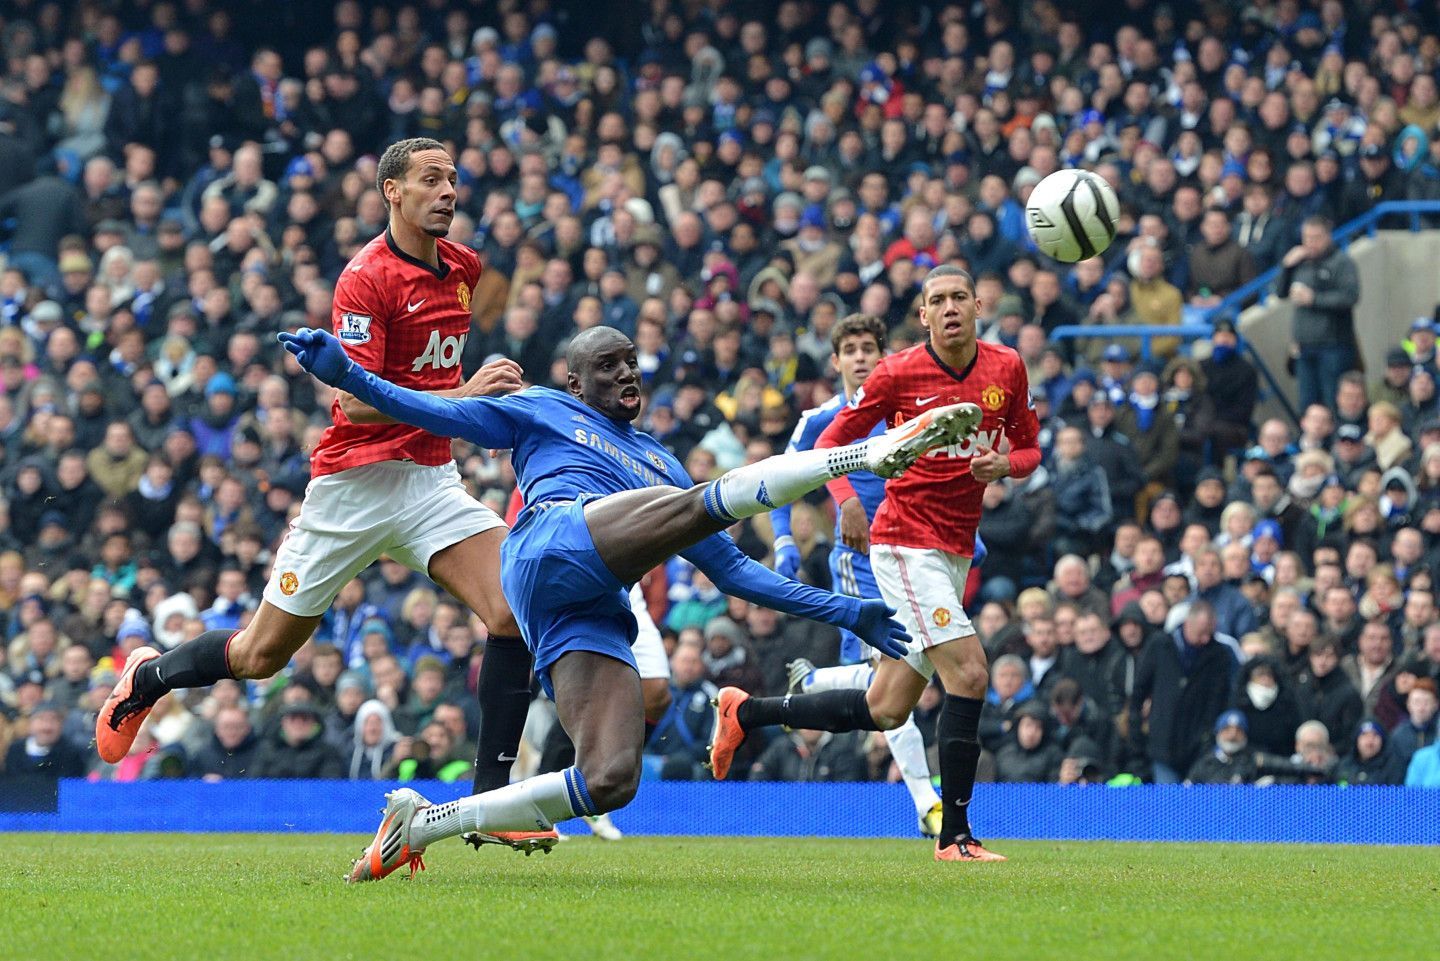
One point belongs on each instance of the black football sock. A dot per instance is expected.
(504, 692)
(197, 663)
(843, 710)
(959, 742)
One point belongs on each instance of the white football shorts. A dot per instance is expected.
(349, 519)
(925, 586)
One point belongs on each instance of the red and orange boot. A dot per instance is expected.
(122, 713)
(728, 735)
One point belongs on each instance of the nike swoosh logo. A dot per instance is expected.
(415, 306)
(922, 401)
(504, 759)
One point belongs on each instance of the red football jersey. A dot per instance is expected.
(936, 503)
(405, 321)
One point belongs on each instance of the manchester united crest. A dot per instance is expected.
(289, 583)
(993, 397)
(463, 292)
(942, 617)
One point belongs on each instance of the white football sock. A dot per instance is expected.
(844, 678)
(907, 746)
(779, 480)
(534, 804)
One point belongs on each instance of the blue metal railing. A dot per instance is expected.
(1259, 289)
(1145, 333)
(1256, 291)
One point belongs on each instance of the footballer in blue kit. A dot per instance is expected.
(605, 503)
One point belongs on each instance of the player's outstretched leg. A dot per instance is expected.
(892, 694)
(637, 530)
(906, 743)
(599, 702)
(259, 651)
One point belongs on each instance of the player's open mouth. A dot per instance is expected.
(444, 211)
(630, 397)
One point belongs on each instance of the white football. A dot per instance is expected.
(1072, 215)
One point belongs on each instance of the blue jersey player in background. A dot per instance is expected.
(604, 503)
(857, 344)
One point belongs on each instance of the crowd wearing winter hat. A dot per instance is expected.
(178, 183)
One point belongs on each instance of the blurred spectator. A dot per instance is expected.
(1083, 508)
(729, 661)
(1322, 283)
(1370, 761)
(1231, 761)
(372, 742)
(1010, 688)
(1186, 677)
(231, 750)
(680, 738)
(811, 756)
(1326, 694)
(298, 749)
(1029, 755)
(1265, 698)
(1418, 729)
(43, 753)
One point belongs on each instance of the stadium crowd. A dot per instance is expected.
(1179, 593)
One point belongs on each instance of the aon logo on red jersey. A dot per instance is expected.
(441, 352)
(968, 448)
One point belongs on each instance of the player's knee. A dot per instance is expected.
(613, 780)
(255, 659)
(887, 713)
(499, 619)
(973, 679)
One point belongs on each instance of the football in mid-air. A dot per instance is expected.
(1072, 215)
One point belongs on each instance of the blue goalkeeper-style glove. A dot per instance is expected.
(319, 353)
(787, 560)
(875, 626)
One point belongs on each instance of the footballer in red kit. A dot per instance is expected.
(921, 543)
(406, 321)
(378, 487)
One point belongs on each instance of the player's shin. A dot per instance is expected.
(907, 747)
(504, 693)
(775, 481)
(534, 804)
(197, 663)
(959, 742)
(844, 710)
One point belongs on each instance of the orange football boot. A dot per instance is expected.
(966, 849)
(122, 713)
(728, 735)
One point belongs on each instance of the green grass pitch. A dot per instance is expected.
(250, 897)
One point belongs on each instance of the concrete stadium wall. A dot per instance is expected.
(1399, 281)
(1367, 815)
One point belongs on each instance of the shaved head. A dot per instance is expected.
(586, 344)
